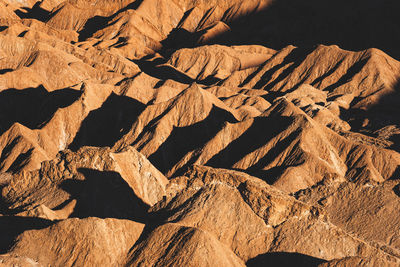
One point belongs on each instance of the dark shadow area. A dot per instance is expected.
(294, 59)
(185, 139)
(284, 259)
(22, 34)
(106, 125)
(353, 25)
(272, 96)
(4, 71)
(353, 70)
(259, 134)
(32, 107)
(380, 114)
(179, 38)
(93, 25)
(158, 218)
(21, 161)
(11, 227)
(252, 75)
(268, 80)
(36, 12)
(105, 194)
(162, 72)
(155, 69)
(7, 150)
(210, 80)
(99, 22)
(396, 190)
(272, 174)
(171, 208)
(384, 112)
(396, 174)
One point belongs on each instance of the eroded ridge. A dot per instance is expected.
(186, 133)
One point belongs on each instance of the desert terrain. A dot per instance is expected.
(199, 133)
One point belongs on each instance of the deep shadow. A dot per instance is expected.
(7, 150)
(93, 25)
(185, 139)
(353, 25)
(284, 259)
(179, 38)
(99, 22)
(272, 174)
(36, 12)
(273, 95)
(384, 112)
(4, 71)
(289, 64)
(259, 134)
(353, 70)
(11, 227)
(104, 126)
(396, 190)
(21, 161)
(294, 59)
(32, 107)
(161, 216)
(156, 69)
(22, 34)
(162, 72)
(396, 174)
(105, 194)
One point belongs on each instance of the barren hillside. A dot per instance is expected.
(199, 133)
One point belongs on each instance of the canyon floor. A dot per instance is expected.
(199, 133)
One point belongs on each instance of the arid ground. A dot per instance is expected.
(199, 133)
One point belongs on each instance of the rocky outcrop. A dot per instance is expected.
(199, 133)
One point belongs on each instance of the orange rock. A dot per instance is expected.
(156, 132)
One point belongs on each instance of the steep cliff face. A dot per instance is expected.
(199, 133)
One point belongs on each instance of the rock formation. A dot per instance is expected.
(199, 133)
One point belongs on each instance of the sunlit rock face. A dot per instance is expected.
(199, 133)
